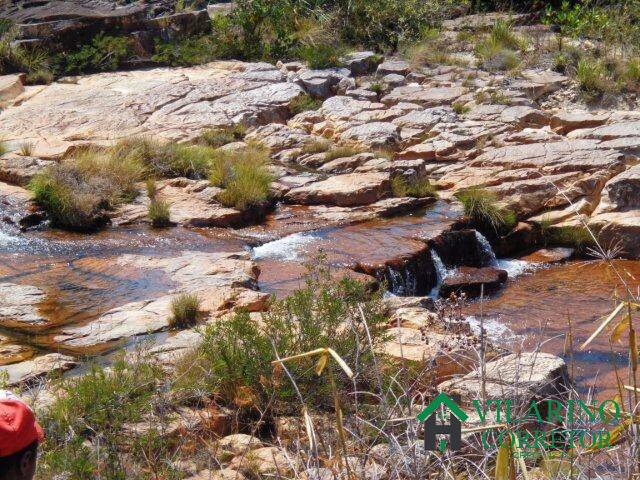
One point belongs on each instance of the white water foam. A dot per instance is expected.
(496, 330)
(513, 267)
(441, 273)
(7, 239)
(285, 248)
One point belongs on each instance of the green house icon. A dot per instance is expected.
(453, 429)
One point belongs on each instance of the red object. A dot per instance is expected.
(18, 426)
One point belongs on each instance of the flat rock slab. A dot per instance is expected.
(346, 190)
(522, 377)
(173, 103)
(11, 352)
(19, 307)
(423, 95)
(469, 280)
(10, 86)
(21, 169)
(565, 122)
(31, 371)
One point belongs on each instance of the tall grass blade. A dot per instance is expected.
(603, 325)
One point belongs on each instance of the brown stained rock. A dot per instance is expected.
(19, 307)
(609, 132)
(549, 255)
(12, 352)
(469, 280)
(565, 122)
(11, 86)
(621, 192)
(20, 170)
(32, 371)
(343, 190)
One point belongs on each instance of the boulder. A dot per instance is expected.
(11, 352)
(374, 135)
(32, 371)
(11, 86)
(565, 122)
(361, 63)
(521, 377)
(460, 247)
(322, 83)
(270, 461)
(469, 280)
(343, 190)
(20, 170)
(397, 67)
(19, 308)
(239, 443)
(621, 192)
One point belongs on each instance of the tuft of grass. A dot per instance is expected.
(219, 136)
(166, 159)
(304, 103)
(481, 207)
(499, 50)
(316, 146)
(76, 192)
(244, 176)
(321, 55)
(3, 148)
(159, 213)
(376, 88)
(460, 108)
(341, 152)
(185, 309)
(592, 76)
(576, 237)
(417, 188)
(26, 149)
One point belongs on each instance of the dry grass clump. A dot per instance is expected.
(342, 152)
(499, 50)
(481, 207)
(219, 136)
(304, 103)
(244, 176)
(158, 209)
(26, 149)
(417, 188)
(76, 192)
(316, 146)
(185, 309)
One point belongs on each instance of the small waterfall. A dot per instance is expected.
(401, 283)
(287, 248)
(441, 273)
(487, 251)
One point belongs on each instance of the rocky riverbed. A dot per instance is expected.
(67, 295)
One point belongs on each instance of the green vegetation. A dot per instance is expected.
(592, 76)
(316, 146)
(244, 176)
(417, 188)
(125, 409)
(3, 148)
(185, 308)
(219, 136)
(577, 237)
(186, 51)
(304, 103)
(159, 213)
(26, 149)
(482, 209)
(499, 50)
(341, 152)
(460, 108)
(75, 192)
(104, 53)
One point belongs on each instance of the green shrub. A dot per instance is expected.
(244, 176)
(592, 77)
(166, 159)
(102, 54)
(236, 352)
(185, 309)
(186, 51)
(417, 188)
(159, 213)
(96, 406)
(323, 55)
(481, 207)
(303, 103)
(76, 192)
(576, 237)
(219, 136)
(341, 152)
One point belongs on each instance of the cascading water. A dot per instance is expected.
(401, 283)
(441, 273)
(513, 267)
